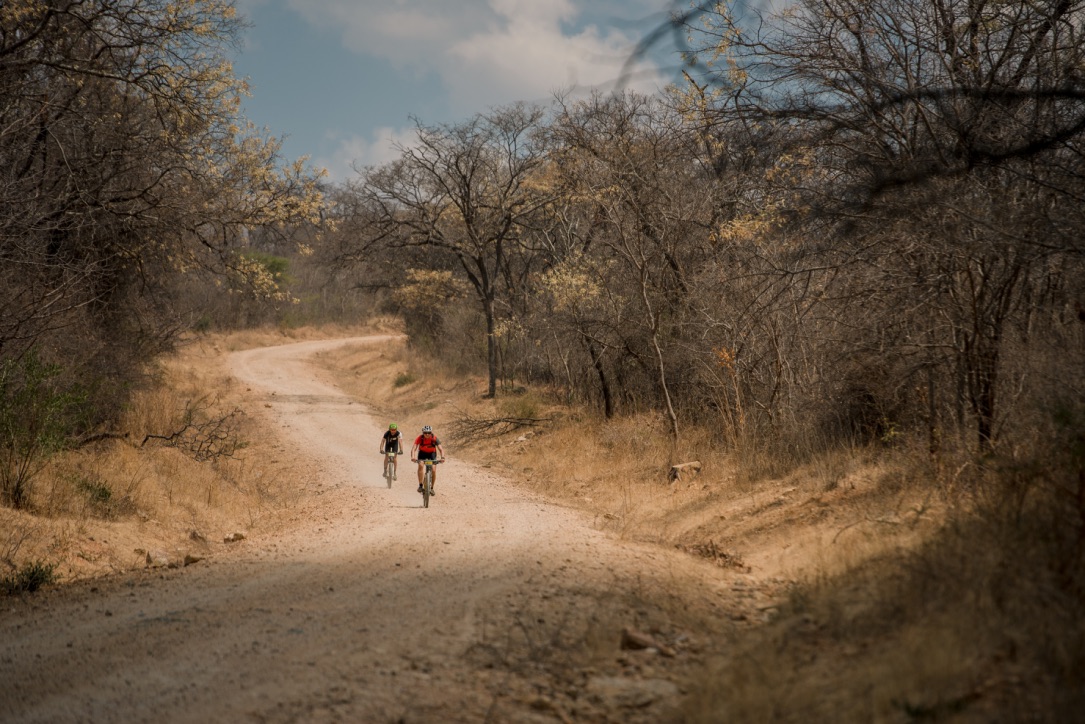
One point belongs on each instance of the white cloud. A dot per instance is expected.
(530, 60)
(487, 52)
(354, 152)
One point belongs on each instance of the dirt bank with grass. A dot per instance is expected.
(492, 604)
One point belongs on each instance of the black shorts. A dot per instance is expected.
(427, 455)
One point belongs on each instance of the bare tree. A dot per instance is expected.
(462, 193)
(930, 133)
(646, 208)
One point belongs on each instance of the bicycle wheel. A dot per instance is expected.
(427, 484)
(388, 471)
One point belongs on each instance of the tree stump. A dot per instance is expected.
(684, 471)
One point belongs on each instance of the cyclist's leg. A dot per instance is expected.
(421, 468)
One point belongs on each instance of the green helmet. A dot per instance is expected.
(392, 426)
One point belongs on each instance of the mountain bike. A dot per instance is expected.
(427, 480)
(390, 466)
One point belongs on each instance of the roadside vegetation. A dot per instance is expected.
(839, 267)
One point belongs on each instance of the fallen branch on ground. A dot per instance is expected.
(690, 470)
(206, 440)
(916, 513)
(713, 552)
(96, 436)
(471, 429)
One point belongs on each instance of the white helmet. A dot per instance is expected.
(427, 428)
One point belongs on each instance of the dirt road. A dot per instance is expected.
(491, 605)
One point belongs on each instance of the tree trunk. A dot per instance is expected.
(491, 346)
(983, 382)
(666, 390)
(604, 384)
(661, 366)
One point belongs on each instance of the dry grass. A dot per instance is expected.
(948, 631)
(801, 672)
(929, 605)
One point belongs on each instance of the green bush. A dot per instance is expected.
(203, 325)
(36, 416)
(403, 379)
(29, 578)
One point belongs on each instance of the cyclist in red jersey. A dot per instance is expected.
(427, 447)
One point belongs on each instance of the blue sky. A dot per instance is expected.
(341, 79)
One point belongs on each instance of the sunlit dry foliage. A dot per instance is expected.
(127, 169)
